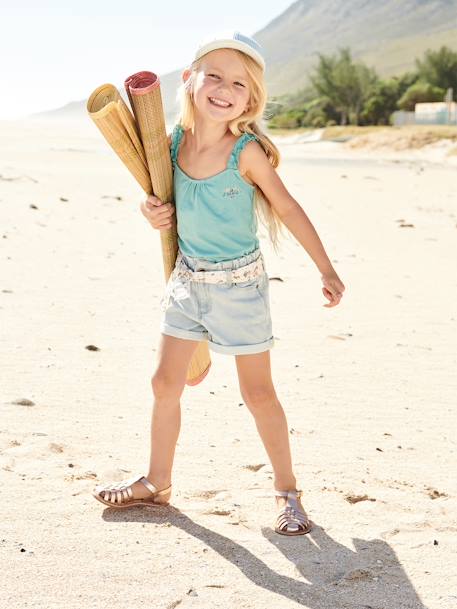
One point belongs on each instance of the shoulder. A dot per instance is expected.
(257, 167)
(253, 156)
(253, 148)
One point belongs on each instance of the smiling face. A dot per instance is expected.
(221, 87)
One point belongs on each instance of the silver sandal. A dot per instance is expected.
(292, 519)
(120, 495)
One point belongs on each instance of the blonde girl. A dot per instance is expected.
(225, 179)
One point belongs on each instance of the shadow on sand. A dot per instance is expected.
(328, 574)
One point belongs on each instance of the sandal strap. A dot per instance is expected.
(152, 488)
(290, 515)
(291, 493)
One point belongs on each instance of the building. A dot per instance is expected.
(435, 113)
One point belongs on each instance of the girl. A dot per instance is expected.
(224, 177)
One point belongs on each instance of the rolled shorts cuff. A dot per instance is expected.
(180, 333)
(216, 347)
(242, 349)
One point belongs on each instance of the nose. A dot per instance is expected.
(224, 88)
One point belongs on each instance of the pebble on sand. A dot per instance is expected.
(23, 402)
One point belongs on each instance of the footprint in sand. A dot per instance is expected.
(353, 576)
(434, 494)
(254, 468)
(83, 476)
(358, 498)
(207, 494)
(56, 448)
(218, 512)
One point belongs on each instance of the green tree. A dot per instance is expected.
(381, 102)
(344, 83)
(383, 97)
(439, 68)
(405, 81)
(291, 119)
(319, 112)
(420, 92)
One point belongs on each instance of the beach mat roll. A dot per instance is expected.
(143, 90)
(115, 121)
(121, 130)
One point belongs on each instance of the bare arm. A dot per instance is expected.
(260, 170)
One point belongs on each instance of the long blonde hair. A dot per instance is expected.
(246, 123)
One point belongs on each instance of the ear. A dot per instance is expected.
(185, 75)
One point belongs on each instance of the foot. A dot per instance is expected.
(138, 490)
(291, 518)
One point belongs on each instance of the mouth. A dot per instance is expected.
(219, 103)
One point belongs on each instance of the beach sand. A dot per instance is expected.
(368, 387)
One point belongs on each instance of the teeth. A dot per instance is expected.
(219, 102)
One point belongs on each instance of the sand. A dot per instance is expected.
(369, 389)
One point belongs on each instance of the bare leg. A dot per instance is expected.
(168, 385)
(259, 395)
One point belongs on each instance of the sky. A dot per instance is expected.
(53, 52)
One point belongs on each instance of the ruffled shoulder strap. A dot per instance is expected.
(176, 137)
(238, 147)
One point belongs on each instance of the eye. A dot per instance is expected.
(215, 75)
(239, 83)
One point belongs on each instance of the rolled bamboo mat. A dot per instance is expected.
(113, 118)
(141, 143)
(143, 90)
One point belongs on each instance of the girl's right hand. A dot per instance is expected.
(157, 213)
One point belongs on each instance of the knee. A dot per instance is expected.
(259, 399)
(165, 385)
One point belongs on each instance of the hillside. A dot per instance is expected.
(387, 35)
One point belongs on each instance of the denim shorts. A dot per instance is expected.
(233, 317)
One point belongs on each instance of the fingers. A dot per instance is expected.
(153, 200)
(158, 214)
(164, 211)
(334, 298)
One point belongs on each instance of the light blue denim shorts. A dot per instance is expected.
(233, 317)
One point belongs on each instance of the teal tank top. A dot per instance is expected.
(215, 216)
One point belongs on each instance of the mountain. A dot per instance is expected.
(387, 35)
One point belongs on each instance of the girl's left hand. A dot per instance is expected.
(333, 288)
